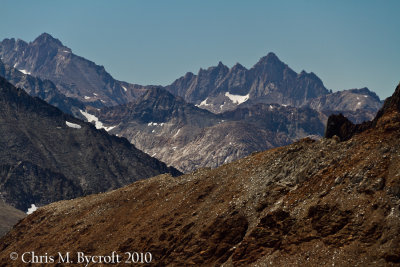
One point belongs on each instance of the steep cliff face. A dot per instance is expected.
(47, 155)
(312, 203)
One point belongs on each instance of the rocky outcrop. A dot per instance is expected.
(47, 155)
(312, 203)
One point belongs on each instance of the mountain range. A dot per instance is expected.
(254, 109)
(219, 88)
(328, 202)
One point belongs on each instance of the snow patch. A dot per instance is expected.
(73, 125)
(237, 99)
(95, 94)
(32, 209)
(98, 124)
(123, 87)
(271, 107)
(155, 124)
(284, 105)
(204, 102)
(25, 72)
(359, 104)
(87, 97)
(365, 96)
(177, 133)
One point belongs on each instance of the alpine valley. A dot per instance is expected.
(217, 116)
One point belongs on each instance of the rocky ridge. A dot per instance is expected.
(312, 203)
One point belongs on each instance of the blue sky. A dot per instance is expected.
(348, 44)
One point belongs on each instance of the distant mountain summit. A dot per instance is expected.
(47, 58)
(219, 88)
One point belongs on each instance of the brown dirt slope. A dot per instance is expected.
(312, 203)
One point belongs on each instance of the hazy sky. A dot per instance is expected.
(348, 44)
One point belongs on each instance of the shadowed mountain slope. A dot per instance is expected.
(47, 155)
(8, 217)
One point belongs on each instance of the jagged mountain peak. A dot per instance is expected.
(218, 68)
(270, 58)
(238, 66)
(46, 38)
(189, 74)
